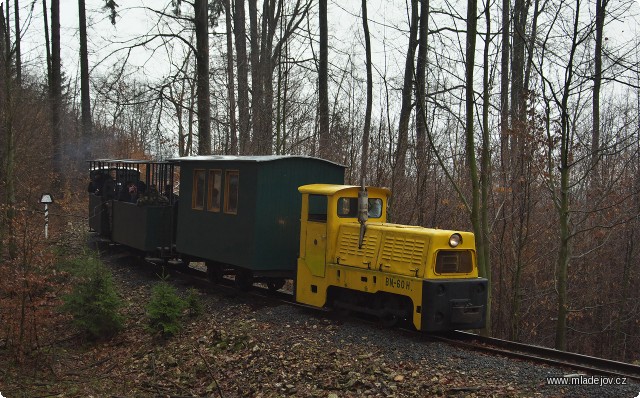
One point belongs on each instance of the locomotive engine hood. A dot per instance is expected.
(408, 250)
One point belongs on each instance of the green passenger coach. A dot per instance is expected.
(241, 214)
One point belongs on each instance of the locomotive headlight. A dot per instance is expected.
(455, 240)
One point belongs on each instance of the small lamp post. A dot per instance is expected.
(46, 199)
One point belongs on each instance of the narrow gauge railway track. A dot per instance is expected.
(580, 362)
(584, 363)
(195, 277)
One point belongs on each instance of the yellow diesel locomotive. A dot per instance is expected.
(395, 272)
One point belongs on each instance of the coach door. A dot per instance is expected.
(316, 237)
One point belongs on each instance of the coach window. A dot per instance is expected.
(317, 208)
(197, 196)
(213, 192)
(231, 186)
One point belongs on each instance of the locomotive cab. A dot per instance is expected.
(427, 277)
(325, 207)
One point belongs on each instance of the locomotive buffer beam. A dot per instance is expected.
(378, 312)
(463, 312)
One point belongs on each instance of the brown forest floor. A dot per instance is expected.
(244, 346)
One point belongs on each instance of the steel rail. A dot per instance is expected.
(599, 366)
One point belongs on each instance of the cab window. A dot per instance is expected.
(317, 208)
(197, 196)
(375, 208)
(348, 207)
(231, 187)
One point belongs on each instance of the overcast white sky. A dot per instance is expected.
(134, 21)
(389, 43)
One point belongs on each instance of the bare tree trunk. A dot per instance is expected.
(323, 83)
(233, 149)
(84, 82)
(16, 23)
(179, 110)
(56, 93)
(256, 81)
(530, 46)
(515, 175)
(472, 29)
(46, 41)
(563, 258)
(202, 64)
(517, 78)
(485, 173)
(191, 115)
(367, 115)
(281, 99)
(601, 12)
(269, 24)
(562, 204)
(504, 148)
(267, 115)
(178, 104)
(525, 212)
(7, 25)
(421, 109)
(7, 227)
(504, 84)
(2, 99)
(405, 110)
(243, 78)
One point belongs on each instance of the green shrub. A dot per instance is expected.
(165, 309)
(94, 302)
(194, 304)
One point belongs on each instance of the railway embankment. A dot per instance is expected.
(247, 346)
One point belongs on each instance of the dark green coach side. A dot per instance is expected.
(261, 233)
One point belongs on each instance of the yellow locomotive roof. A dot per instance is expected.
(415, 229)
(332, 189)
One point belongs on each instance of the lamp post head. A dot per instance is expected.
(46, 198)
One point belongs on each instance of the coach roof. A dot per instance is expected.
(229, 158)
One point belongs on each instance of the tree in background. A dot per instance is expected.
(421, 111)
(324, 133)
(244, 118)
(559, 93)
(201, 21)
(265, 52)
(85, 98)
(233, 145)
(8, 136)
(601, 13)
(55, 94)
(477, 205)
(18, 40)
(484, 243)
(399, 167)
(367, 117)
